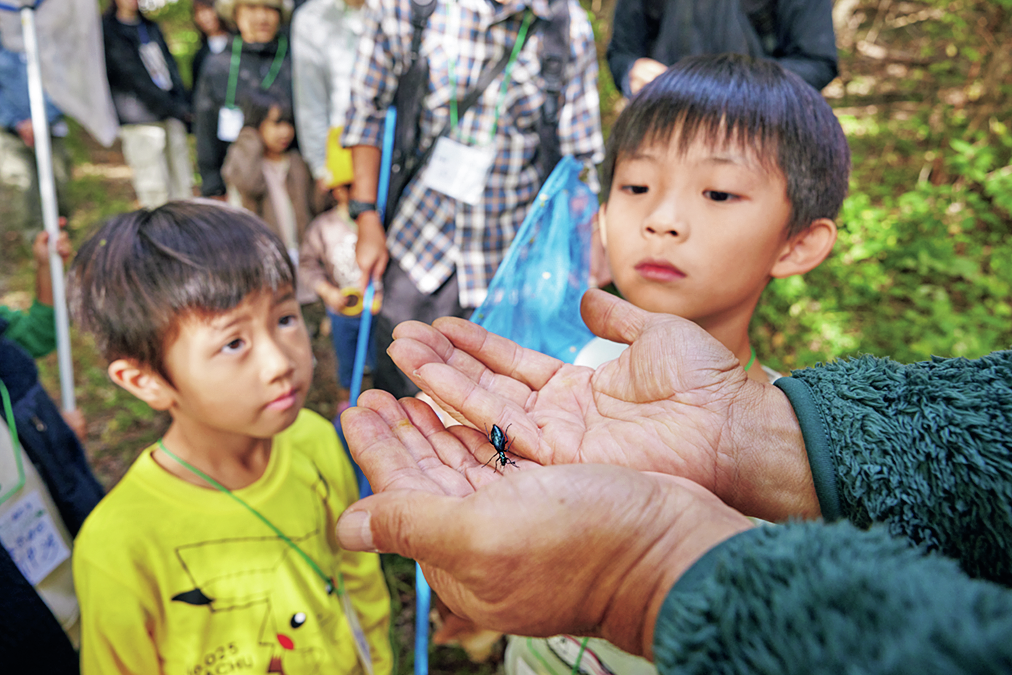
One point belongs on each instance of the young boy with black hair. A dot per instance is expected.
(723, 173)
(216, 552)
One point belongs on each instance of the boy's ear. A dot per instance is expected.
(143, 383)
(806, 250)
(601, 225)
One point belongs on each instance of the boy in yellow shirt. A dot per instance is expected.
(216, 552)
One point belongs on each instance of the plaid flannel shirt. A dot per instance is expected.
(432, 234)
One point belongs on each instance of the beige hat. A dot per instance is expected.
(226, 8)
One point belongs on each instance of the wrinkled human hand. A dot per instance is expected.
(453, 461)
(643, 72)
(676, 402)
(531, 550)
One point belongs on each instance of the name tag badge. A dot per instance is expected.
(31, 538)
(154, 63)
(361, 644)
(459, 171)
(230, 122)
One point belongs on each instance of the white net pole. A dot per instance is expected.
(50, 214)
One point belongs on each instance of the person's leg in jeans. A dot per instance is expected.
(178, 156)
(402, 301)
(144, 151)
(20, 205)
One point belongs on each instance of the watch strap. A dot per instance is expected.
(357, 208)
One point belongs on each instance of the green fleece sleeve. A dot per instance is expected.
(925, 449)
(35, 329)
(814, 598)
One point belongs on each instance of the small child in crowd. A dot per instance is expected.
(216, 551)
(327, 265)
(271, 179)
(723, 173)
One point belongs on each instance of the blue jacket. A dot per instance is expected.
(29, 633)
(14, 103)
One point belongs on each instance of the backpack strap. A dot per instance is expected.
(411, 88)
(421, 10)
(554, 59)
(465, 104)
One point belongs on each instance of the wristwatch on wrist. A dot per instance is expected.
(357, 208)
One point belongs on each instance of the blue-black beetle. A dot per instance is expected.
(501, 442)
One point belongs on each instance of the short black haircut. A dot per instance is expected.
(257, 104)
(143, 272)
(755, 104)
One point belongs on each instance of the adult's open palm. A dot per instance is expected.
(664, 405)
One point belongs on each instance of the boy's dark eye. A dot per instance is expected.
(717, 196)
(635, 189)
(288, 320)
(233, 346)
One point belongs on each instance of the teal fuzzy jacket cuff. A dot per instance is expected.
(918, 460)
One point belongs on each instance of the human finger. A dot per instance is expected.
(417, 345)
(479, 457)
(411, 449)
(421, 343)
(380, 454)
(500, 355)
(492, 456)
(481, 408)
(612, 318)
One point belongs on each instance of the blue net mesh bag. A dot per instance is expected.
(534, 298)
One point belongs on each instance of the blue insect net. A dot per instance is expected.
(534, 298)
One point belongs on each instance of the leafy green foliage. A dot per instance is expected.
(923, 263)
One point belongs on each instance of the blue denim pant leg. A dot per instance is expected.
(344, 334)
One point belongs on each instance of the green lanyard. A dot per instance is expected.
(507, 73)
(13, 428)
(312, 563)
(233, 68)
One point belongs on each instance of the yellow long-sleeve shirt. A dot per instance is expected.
(177, 579)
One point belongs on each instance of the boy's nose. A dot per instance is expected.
(664, 221)
(661, 229)
(275, 360)
(665, 218)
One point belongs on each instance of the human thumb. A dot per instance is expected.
(611, 317)
(410, 523)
